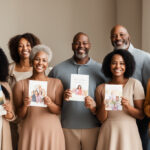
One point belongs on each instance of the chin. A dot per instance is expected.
(40, 71)
(81, 56)
(27, 56)
(117, 75)
(121, 47)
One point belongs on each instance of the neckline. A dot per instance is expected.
(122, 84)
(46, 79)
(74, 62)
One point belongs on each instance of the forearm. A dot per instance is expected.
(53, 108)
(22, 111)
(101, 113)
(135, 112)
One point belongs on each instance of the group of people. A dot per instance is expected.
(84, 125)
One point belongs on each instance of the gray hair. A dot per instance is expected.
(39, 48)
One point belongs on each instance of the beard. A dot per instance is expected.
(80, 56)
(124, 45)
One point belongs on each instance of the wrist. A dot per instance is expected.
(93, 110)
(9, 115)
(49, 103)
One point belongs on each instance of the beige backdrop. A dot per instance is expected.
(55, 22)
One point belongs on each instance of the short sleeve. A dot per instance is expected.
(59, 93)
(99, 93)
(138, 91)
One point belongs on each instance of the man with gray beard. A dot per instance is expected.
(120, 39)
(79, 124)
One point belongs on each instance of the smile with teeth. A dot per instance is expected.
(39, 67)
(25, 52)
(118, 70)
(81, 51)
(119, 42)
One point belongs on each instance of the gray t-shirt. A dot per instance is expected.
(74, 113)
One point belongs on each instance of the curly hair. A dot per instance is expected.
(14, 43)
(39, 48)
(128, 59)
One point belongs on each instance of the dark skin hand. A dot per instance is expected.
(7, 106)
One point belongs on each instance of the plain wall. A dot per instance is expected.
(55, 22)
(146, 25)
(129, 14)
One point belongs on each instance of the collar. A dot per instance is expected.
(75, 63)
(131, 47)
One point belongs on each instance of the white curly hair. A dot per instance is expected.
(39, 48)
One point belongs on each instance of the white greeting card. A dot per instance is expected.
(113, 96)
(37, 91)
(79, 86)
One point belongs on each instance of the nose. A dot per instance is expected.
(118, 37)
(117, 65)
(40, 62)
(25, 47)
(81, 44)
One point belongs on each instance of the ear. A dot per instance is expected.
(72, 46)
(129, 37)
(89, 45)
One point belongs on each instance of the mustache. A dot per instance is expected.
(125, 42)
(81, 49)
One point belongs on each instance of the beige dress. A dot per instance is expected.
(40, 129)
(15, 76)
(119, 131)
(6, 143)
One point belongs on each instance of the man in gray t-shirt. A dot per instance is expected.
(79, 124)
(121, 40)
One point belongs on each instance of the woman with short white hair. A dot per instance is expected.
(41, 128)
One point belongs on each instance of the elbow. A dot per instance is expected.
(58, 112)
(20, 115)
(101, 118)
(141, 116)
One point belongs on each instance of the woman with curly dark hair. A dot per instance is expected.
(20, 47)
(5, 134)
(119, 130)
